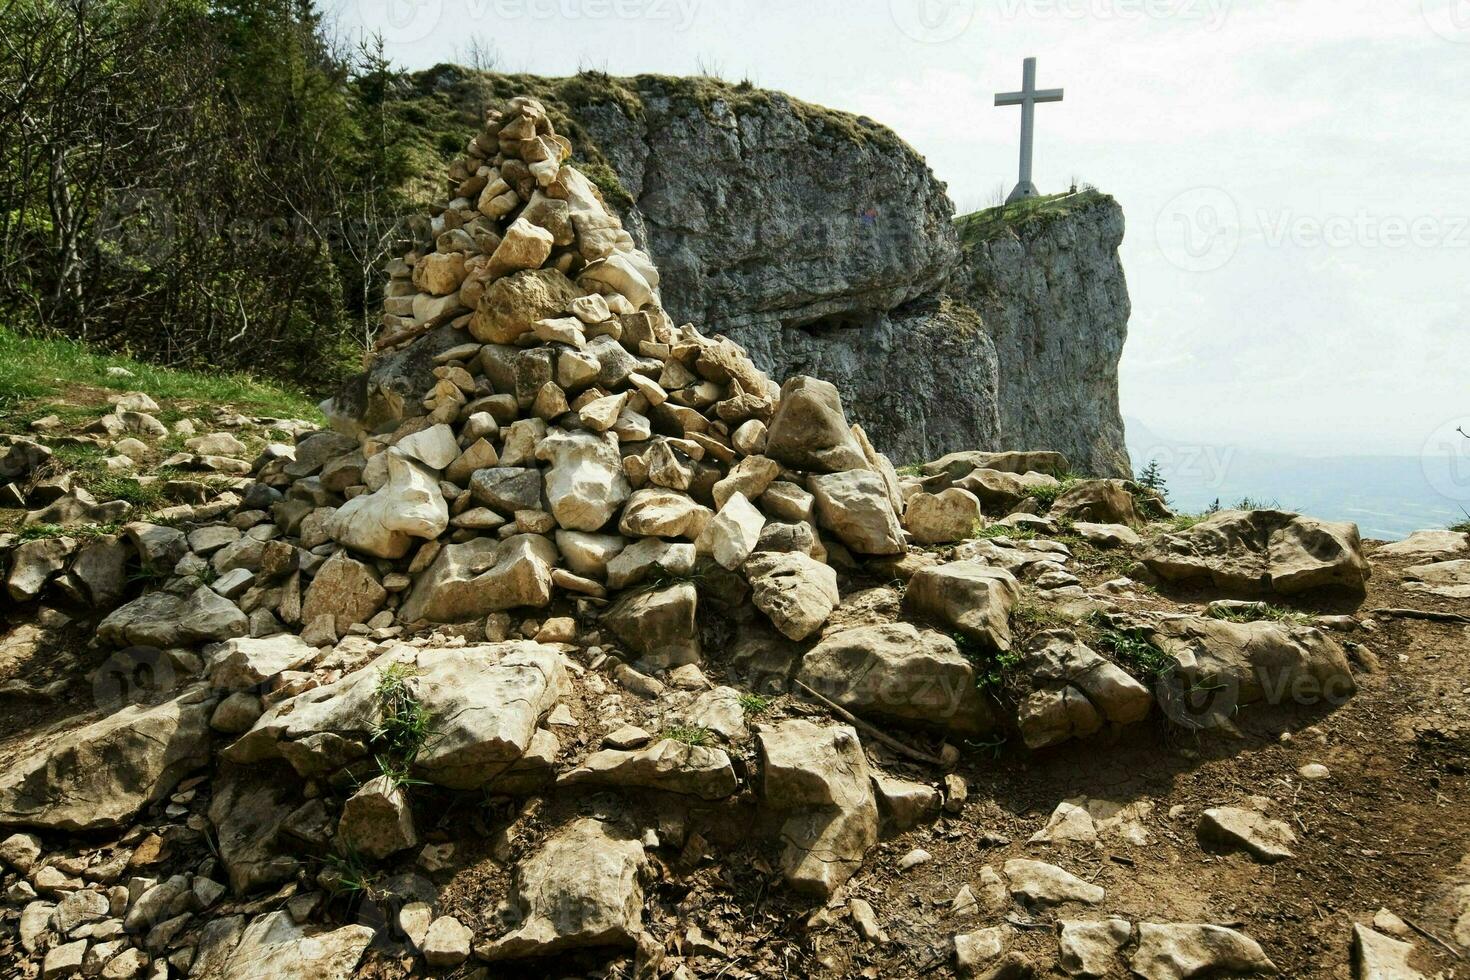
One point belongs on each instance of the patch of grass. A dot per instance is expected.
(1258, 612)
(150, 575)
(1030, 617)
(1183, 522)
(688, 734)
(912, 469)
(127, 488)
(403, 723)
(34, 368)
(1131, 648)
(990, 531)
(1036, 212)
(754, 705)
(1047, 495)
(34, 532)
(1462, 527)
(349, 875)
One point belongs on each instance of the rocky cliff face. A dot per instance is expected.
(823, 243)
(1050, 289)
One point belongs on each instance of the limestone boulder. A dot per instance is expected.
(483, 703)
(1446, 579)
(819, 778)
(897, 672)
(384, 523)
(658, 624)
(248, 662)
(1236, 828)
(969, 597)
(794, 590)
(507, 489)
(1255, 551)
(586, 866)
(1040, 884)
(941, 518)
(1075, 692)
(1180, 950)
(650, 556)
(99, 775)
(471, 580)
(1380, 957)
(275, 945)
(731, 535)
(1428, 544)
(668, 765)
(585, 483)
(346, 589)
(1098, 502)
(662, 513)
(809, 430)
(35, 563)
(1215, 667)
(960, 464)
(250, 810)
(377, 820)
(162, 619)
(513, 303)
(1091, 948)
(854, 505)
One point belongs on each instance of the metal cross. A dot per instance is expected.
(1027, 99)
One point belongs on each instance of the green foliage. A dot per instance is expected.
(989, 531)
(989, 224)
(403, 724)
(1030, 617)
(34, 367)
(1131, 648)
(1259, 611)
(127, 488)
(688, 734)
(754, 705)
(1047, 495)
(350, 875)
(1152, 477)
(34, 532)
(1463, 527)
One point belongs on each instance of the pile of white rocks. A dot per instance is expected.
(574, 442)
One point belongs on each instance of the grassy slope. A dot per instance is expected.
(985, 226)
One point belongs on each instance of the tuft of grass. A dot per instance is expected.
(754, 705)
(349, 875)
(127, 488)
(688, 734)
(403, 723)
(912, 469)
(34, 532)
(1029, 618)
(1260, 611)
(1462, 527)
(1047, 495)
(991, 531)
(1131, 649)
(991, 223)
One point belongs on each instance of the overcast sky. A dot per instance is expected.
(1295, 173)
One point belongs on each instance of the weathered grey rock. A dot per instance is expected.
(236, 713)
(100, 775)
(346, 589)
(1107, 535)
(585, 484)
(1090, 949)
(241, 664)
(585, 866)
(483, 702)
(589, 554)
(1234, 828)
(1430, 543)
(250, 809)
(471, 580)
(1038, 883)
(1217, 666)
(658, 624)
(903, 803)
(1098, 501)
(900, 673)
(35, 563)
(1064, 670)
(645, 557)
(821, 776)
(797, 592)
(447, 943)
(1447, 579)
(855, 506)
(668, 765)
(809, 430)
(969, 597)
(1180, 950)
(940, 518)
(1262, 551)
(377, 820)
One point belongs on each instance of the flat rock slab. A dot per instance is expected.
(1448, 579)
(1177, 951)
(99, 775)
(1234, 828)
(1038, 883)
(1378, 957)
(668, 765)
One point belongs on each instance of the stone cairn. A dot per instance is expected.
(575, 438)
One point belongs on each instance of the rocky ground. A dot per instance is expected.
(578, 647)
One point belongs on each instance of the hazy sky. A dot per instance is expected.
(1295, 173)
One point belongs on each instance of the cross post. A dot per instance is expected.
(1027, 99)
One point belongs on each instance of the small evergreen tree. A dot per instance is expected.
(1152, 477)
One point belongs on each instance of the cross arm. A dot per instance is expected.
(1048, 95)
